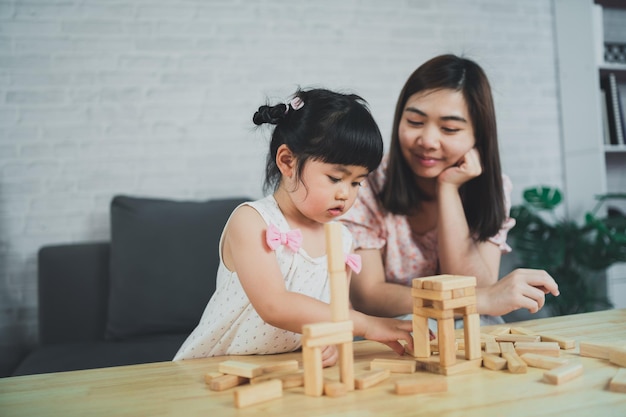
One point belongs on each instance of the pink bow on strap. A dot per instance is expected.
(354, 262)
(274, 238)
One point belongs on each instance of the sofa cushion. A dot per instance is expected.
(164, 259)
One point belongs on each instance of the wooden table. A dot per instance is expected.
(178, 388)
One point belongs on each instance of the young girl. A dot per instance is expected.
(438, 203)
(273, 275)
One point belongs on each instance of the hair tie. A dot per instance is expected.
(296, 103)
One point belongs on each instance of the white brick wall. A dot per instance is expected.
(155, 98)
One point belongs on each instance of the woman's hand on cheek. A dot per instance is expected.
(465, 169)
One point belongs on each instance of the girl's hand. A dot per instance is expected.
(330, 356)
(390, 332)
(468, 167)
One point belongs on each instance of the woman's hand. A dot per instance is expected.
(330, 355)
(522, 288)
(468, 167)
(389, 332)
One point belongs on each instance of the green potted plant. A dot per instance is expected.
(576, 256)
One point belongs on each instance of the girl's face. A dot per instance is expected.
(435, 131)
(327, 191)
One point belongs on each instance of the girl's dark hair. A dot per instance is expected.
(329, 127)
(483, 196)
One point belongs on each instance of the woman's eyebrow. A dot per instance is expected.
(445, 118)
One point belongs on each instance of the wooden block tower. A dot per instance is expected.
(441, 297)
(337, 332)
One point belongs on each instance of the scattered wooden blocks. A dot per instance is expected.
(541, 361)
(225, 382)
(254, 394)
(493, 362)
(595, 350)
(517, 338)
(335, 389)
(564, 342)
(618, 382)
(563, 373)
(617, 356)
(244, 369)
(209, 376)
(290, 379)
(542, 348)
(421, 385)
(514, 363)
(393, 365)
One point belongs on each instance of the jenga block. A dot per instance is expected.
(492, 347)
(421, 385)
(487, 337)
(618, 382)
(563, 373)
(245, 369)
(517, 338)
(617, 356)
(542, 348)
(418, 282)
(225, 382)
(431, 294)
(494, 362)
(421, 337)
(346, 365)
(281, 366)
(335, 389)
(334, 247)
(313, 376)
(507, 347)
(463, 292)
(462, 365)
(371, 378)
(514, 363)
(541, 361)
(500, 330)
(433, 313)
(254, 394)
(595, 350)
(448, 282)
(454, 303)
(393, 365)
(446, 336)
(327, 328)
(331, 339)
(340, 303)
(209, 376)
(464, 311)
(564, 342)
(521, 330)
(471, 325)
(289, 379)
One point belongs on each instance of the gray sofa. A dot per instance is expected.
(131, 300)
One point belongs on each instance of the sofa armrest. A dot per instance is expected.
(73, 292)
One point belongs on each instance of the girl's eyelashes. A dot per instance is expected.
(333, 179)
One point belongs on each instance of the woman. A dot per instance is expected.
(438, 203)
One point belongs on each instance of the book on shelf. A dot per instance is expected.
(614, 107)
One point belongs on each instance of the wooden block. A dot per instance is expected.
(564, 342)
(371, 378)
(327, 328)
(500, 330)
(463, 292)
(245, 369)
(542, 348)
(313, 371)
(225, 382)
(521, 330)
(595, 350)
(281, 366)
(462, 365)
(209, 376)
(430, 294)
(334, 247)
(487, 337)
(418, 282)
(421, 337)
(254, 394)
(471, 325)
(618, 382)
(492, 347)
(421, 385)
(507, 347)
(331, 339)
(464, 311)
(514, 363)
(393, 365)
(541, 361)
(454, 303)
(494, 362)
(433, 313)
(289, 379)
(517, 338)
(617, 356)
(563, 373)
(335, 389)
(346, 365)
(447, 339)
(448, 282)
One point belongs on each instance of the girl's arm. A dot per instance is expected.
(459, 254)
(247, 253)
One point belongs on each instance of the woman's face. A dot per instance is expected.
(435, 131)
